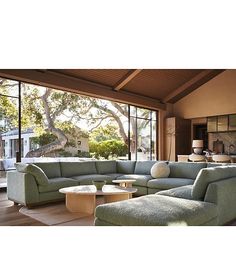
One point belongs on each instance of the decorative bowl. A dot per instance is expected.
(99, 183)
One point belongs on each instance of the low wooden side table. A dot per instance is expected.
(125, 183)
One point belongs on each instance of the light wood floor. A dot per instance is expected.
(10, 215)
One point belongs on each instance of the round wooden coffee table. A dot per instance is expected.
(83, 198)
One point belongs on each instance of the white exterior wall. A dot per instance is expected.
(25, 145)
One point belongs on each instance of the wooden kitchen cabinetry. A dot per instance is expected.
(222, 123)
(212, 124)
(177, 138)
(232, 122)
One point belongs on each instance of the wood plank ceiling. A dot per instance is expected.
(145, 87)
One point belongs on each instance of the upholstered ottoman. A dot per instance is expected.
(156, 210)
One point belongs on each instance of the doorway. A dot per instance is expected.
(200, 132)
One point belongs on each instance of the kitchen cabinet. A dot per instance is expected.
(232, 122)
(212, 124)
(222, 123)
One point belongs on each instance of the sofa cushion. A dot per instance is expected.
(34, 170)
(208, 175)
(51, 169)
(141, 180)
(185, 170)
(57, 183)
(143, 167)
(213, 165)
(114, 176)
(70, 169)
(157, 210)
(160, 169)
(169, 183)
(106, 167)
(125, 167)
(87, 179)
(180, 192)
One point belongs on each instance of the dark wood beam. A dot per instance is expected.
(126, 79)
(191, 85)
(60, 81)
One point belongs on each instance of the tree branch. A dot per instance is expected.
(61, 137)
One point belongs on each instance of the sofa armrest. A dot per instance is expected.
(22, 188)
(222, 193)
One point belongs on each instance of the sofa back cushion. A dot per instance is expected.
(35, 171)
(70, 169)
(184, 192)
(209, 175)
(51, 169)
(185, 170)
(143, 167)
(106, 167)
(125, 167)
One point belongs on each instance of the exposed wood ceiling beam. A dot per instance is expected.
(60, 81)
(191, 85)
(126, 79)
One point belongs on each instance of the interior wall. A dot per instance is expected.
(216, 97)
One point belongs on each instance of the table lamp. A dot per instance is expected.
(197, 146)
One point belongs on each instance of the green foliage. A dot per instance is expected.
(103, 133)
(8, 109)
(83, 154)
(70, 129)
(107, 149)
(64, 153)
(44, 139)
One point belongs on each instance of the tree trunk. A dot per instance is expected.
(55, 145)
(61, 137)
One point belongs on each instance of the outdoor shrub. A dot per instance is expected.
(108, 149)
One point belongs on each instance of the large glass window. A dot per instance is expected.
(9, 135)
(143, 134)
(62, 124)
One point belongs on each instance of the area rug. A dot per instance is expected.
(57, 214)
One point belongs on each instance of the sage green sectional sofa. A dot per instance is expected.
(193, 194)
(210, 200)
(25, 187)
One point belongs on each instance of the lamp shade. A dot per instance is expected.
(197, 144)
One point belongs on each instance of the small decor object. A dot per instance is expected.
(218, 146)
(99, 184)
(197, 146)
(160, 170)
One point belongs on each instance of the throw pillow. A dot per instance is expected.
(34, 170)
(160, 170)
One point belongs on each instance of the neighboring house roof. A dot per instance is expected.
(15, 132)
